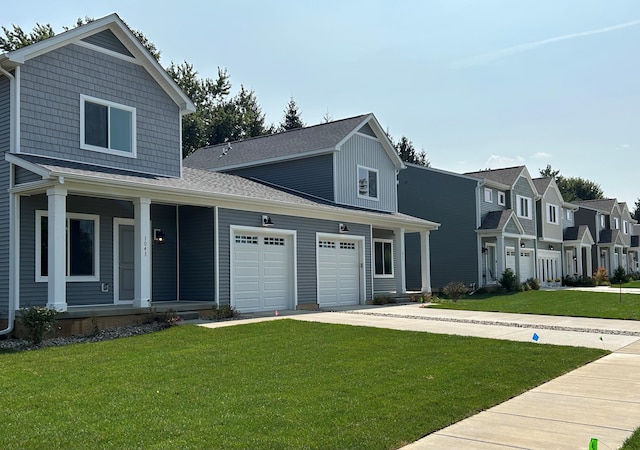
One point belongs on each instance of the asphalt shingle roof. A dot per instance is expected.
(575, 233)
(507, 175)
(496, 220)
(283, 145)
(605, 204)
(197, 182)
(542, 184)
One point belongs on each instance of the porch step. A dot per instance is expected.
(188, 315)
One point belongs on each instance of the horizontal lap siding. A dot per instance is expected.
(451, 201)
(51, 85)
(78, 293)
(312, 176)
(24, 176)
(197, 250)
(4, 236)
(164, 256)
(5, 114)
(306, 248)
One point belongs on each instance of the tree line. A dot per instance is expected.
(219, 117)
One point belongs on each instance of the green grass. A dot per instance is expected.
(555, 303)
(630, 284)
(633, 443)
(278, 384)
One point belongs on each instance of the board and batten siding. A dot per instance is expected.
(4, 236)
(523, 188)
(5, 114)
(305, 245)
(361, 150)
(164, 275)
(548, 230)
(451, 201)
(34, 293)
(106, 39)
(197, 251)
(313, 175)
(51, 85)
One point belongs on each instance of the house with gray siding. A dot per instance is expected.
(488, 223)
(612, 227)
(348, 163)
(98, 212)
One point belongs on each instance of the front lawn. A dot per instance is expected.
(630, 284)
(277, 384)
(555, 303)
(633, 442)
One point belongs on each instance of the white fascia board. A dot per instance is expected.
(31, 167)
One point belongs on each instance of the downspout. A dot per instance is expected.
(11, 314)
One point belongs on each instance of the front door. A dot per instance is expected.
(123, 258)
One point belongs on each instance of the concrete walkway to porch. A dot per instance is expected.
(600, 400)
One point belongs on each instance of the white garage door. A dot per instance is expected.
(526, 265)
(262, 272)
(338, 272)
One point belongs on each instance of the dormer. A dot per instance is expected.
(93, 95)
(348, 162)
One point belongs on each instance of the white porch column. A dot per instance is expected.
(425, 261)
(57, 248)
(579, 262)
(589, 261)
(500, 254)
(142, 253)
(401, 279)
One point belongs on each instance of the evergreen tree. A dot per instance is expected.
(636, 211)
(408, 153)
(292, 117)
(574, 188)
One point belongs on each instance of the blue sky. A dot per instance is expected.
(476, 84)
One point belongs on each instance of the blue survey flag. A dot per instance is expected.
(593, 444)
(535, 337)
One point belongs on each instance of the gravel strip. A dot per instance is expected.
(504, 324)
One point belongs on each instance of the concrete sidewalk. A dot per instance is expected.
(600, 400)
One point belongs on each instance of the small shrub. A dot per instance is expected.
(619, 276)
(600, 275)
(38, 320)
(223, 312)
(380, 300)
(509, 281)
(580, 281)
(533, 284)
(455, 289)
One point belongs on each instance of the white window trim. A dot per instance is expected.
(556, 209)
(502, 197)
(95, 148)
(603, 222)
(96, 247)
(625, 227)
(367, 197)
(616, 223)
(569, 215)
(488, 195)
(393, 268)
(527, 214)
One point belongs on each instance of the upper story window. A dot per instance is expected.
(524, 207)
(552, 213)
(625, 227)
(488, 195)
(502, 198)
(383, 258)
(616, 223)
(367, 183)
(569, 215)
(107, 127)
(82, 247)
(603, 221)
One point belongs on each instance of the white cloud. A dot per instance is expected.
(541, 155)
(497, 161)
(510, 51)
(625, 146)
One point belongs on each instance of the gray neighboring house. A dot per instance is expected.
(614, 231)
(350, 163)
(488, 223)
(99, 214)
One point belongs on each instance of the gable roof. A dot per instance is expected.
(498, 221)
(608, 236)
(293, 144)
(213, 188)
(579, 233)
(604, 205)
(507, 175)
(542, 184)
(113, 23)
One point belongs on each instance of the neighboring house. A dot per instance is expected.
(99, 214)
(611, 225)
(558, 237)
(488, 223)
(350, 163)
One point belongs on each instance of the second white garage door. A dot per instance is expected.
(339, 272)
(262, 272)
